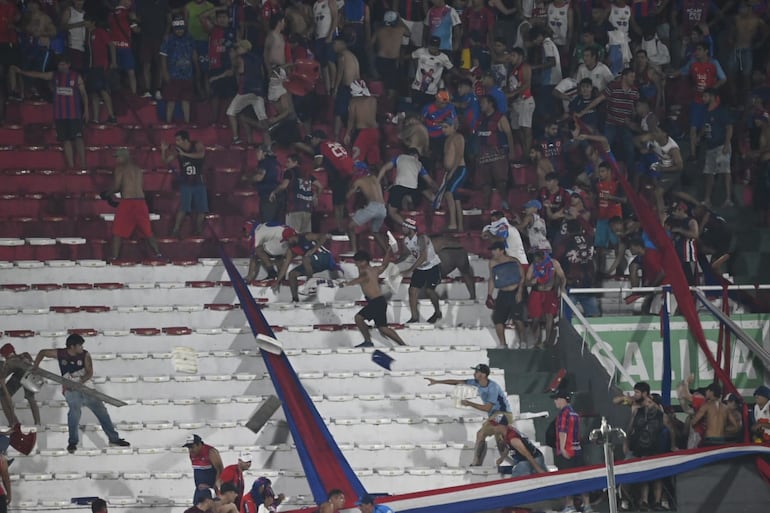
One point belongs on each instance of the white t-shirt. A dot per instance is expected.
(551, 76)
(431, 258)
(430, 68)
(558, 21)
(269, 237)
(408, 171)
(323, 18)
(664, 152)
(568, 86)
(600, 76)
(514, 247)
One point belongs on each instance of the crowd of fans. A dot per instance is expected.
(580, 91)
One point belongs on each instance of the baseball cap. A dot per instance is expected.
(732, 397)
(533, 203)
(288, 232)
(228, 487)
(443, 95)
(482, 368)
(762, 390)
(193, 440)
(498, 420)
(202, 495)
(497, 245)
(245, 456)
(410, 224)
(562, 394)
(365, 499)
(7, 350)
(390, 18)
(434, 41)
(74, 340)
(178, 22)
(497, 213)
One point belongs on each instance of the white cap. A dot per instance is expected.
(245, 457)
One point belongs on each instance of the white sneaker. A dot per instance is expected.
(147, 94)
(158, 96)
(568, 509)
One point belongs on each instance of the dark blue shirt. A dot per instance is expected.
(578, 104)
(715, 127)
(501, 102)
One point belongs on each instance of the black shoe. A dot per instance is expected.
(10, 461)
(412, 320)
(71, 448)
(435, 317)
(120, 443)
(659, 507)
(643, 506)
(338, 232)
(112, 120)
(365, 344)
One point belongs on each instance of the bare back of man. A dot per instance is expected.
(373, 214)
(453, 256)
(371, 189)
(716, 419)
(363, 112)
(746, 28)
(299, 18)
(131, 180)
(275, 49)
(388, 41)
(350, 69)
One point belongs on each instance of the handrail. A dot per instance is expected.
(632, 290)
(602, 345)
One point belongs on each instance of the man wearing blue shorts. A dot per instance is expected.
(194, 199)
(456, 174)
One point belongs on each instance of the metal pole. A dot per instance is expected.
(608, 436)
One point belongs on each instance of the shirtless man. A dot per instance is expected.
(454, 256)
(746, 27)
(505, 275)
(387, 43)
(362, 121)
(543, 166)
(456, 173)
(372, 214)
(376, 308)
(132, 210)
(275, 44)
(547, 279)
(334, 502)
(716, 415)
(347, 72)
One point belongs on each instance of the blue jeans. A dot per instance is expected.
(76, 400)
(618, 135)
(524, 468)
(589, 302)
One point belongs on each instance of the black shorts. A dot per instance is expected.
(224, 87)
(68, 129)
(9, 55)
(342, 102)
(376, 310)
(563, 463)
(454, 258)
(96, 80)
(427, 278)
(397, 193)
(339, 187)
(506, 307)
(388, 70)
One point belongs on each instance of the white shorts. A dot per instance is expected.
(415, 33)
(522, 112)
(372, 213)
(269, 237)
(717, 163)
(241, 101)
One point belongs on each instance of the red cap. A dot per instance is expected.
(7, 350)
(288, 232)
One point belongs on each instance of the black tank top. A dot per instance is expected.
(191, 169)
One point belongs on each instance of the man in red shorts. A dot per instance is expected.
(132, 210)
(547, 280)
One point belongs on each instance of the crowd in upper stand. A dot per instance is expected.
(447, 105)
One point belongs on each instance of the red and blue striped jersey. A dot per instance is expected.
(67, 101)
(434, 116)
(568, 422)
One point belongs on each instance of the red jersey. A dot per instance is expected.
(481, 21)
(99, 48)
(568, 422)
(202, 460)
(8, 14)
(233, 474)
(336, 158)
(516, 81)
(608, 208)
(556, 199)
(120, 27)
(704, 75)
(219, 46)
(248, 504)
(67, 100)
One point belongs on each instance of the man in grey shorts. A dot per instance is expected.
(373, 214)
(454, 256)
